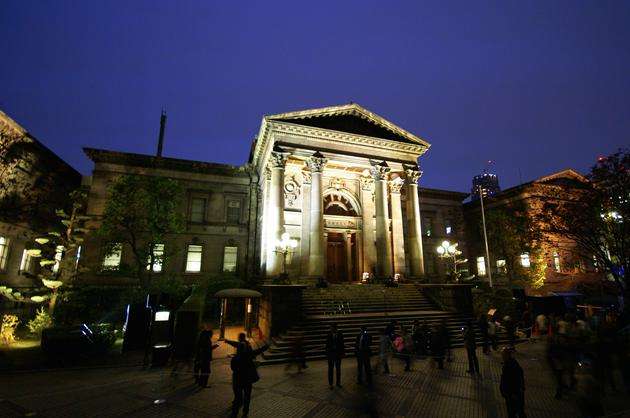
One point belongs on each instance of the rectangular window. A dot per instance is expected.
(501, 267)
(112, 260)
(58, 256)
(525, 260)
(448, 227)
(481, 266)
(158, 258)
(230, 257)
(26, 262)
(4, 252)
(193, 259)
(197, 210)
(556, 262)
(233, 211)
(428, 226)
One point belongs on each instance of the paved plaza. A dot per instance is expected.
(424, 392)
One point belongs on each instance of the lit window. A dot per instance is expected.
(595, 264)
(26, 262)
(448, 227)
(193, 259)
(233, 211)
(158, 258)
(556, 261)
(58, 256)
(4, 251)
(501, 267)
(230, 257)
(197, 210)
(525, 260)
(481, 266)
(112, 260)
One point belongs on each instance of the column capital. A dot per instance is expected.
(396, 184)
(278, 157)
(316, 162)
(379, 170)
(413, 174)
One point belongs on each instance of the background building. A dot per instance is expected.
(487, 183)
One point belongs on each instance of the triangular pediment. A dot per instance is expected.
(350, 118)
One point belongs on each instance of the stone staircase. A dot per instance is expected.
(350, 307)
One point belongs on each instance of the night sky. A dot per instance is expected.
(535, 86)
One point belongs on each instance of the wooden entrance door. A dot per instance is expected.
(336, 270)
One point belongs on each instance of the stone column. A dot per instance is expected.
(367, 209)
(398, 241)
(275, 214)
(380, 172)
(317, 263)
(264, 234)
(305, 245)
(414, 226)
(347, 237)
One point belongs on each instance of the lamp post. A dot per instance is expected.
(485, 235)
(285, 245)
(448, 250)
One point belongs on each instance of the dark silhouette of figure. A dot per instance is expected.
(446, 340)
(390, 329)
(203, 357)
(384, 348)
(244, 373)
(425, 341)
(554, 357)
(482, 324)
(437, 346)
(512, 385)
(298, 356)
(510, 329)
(363, 352)
(335, 351)
(470, 342)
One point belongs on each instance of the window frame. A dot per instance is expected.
(4, 252)
(483, 271)
(186, 260)
(522, 258)
(107, 268)
(150, 266)
(225, 247)
(204, 212)
(228, 200)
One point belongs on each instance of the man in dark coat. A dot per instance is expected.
(363, 351)
(438, 344)
(203, 357)
(335, 351)
(482, 323)
(470, 342)
(512, 385)
(244, 372)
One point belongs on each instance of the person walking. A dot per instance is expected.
(470, 342)
(335, 351)
(244, 373)
(492, 333)
(203, 357)
(482, 323)
(512, 385)
(404, 346)
(384, 350)
(363, 351)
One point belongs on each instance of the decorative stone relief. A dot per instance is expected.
(413, 174)
(306, 175)
(316, 162)
(337, 183)
(380, 171)
(291, 190)
(367, 183)
(396, 184)
(278, 159)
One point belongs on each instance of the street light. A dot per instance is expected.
(448, 250)
(285, 245)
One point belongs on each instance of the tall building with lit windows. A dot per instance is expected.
(487, 183)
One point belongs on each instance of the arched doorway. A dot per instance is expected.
(341, 209)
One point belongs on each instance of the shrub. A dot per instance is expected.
(41, 321)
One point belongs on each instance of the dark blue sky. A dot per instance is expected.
(535, 86)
